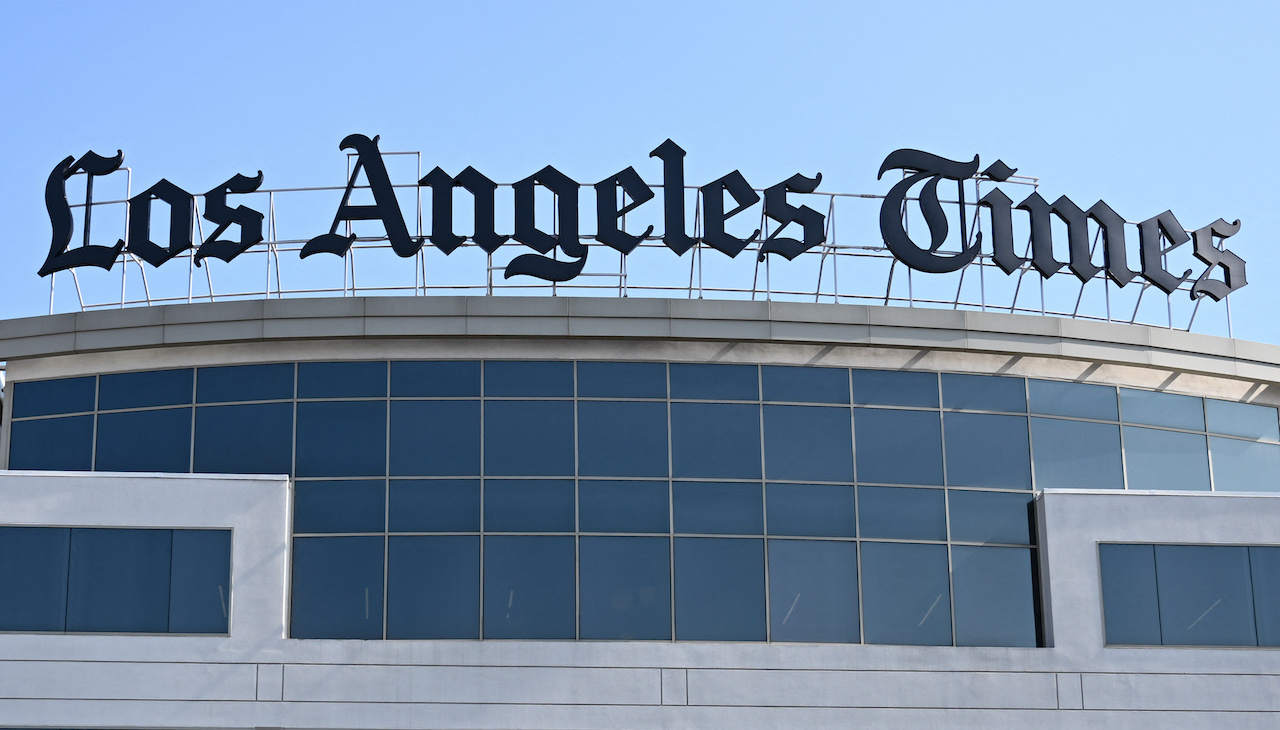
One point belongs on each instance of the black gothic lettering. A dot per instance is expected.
(181, 216)
(936, 169)
(1232, 265)
(1150, 234)
(218, 212)
(673, 234)
(776, 207)
(527, 232)
(482, 189)
(608, 213)
(55, 200)
(713, 203)
(385, 207)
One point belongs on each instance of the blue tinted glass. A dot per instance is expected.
(898, 447)
(715, 440)
(342, 439)
(999, 517)
(33, 578)
(808, 442)
(528, 438)
(49, 397)
(337, 588)
(59, 444)
(435, 379)
(805, 385)
(1077, 454)
(895, 388)
(245, 382)
(994, 598)
(1076, 400)
(719, 589)
(249, 439)
(433, 587)
(987, 451)
(435, 438)
(1264, 567)
(625, 587)
(119, 580)
(813, 590)
(528, 505)
(714, 382)
(342, 379)
(622, 380)
(902, 513)
(1245, 466)
(528, 379)
(905, 596)
(340, 506)
(1205, 596)
(200, 582)
(145, 441)
(1130, 609)
(435, 505)
(140, 390)
(811, 510)
(529, 588)
(733, 508)
(983, 393)
(1161, 409)
(608, 506)
(1165, 459)
(1242, 419)
(622, 439)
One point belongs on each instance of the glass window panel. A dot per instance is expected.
(528, 505)
(719, 589)
(337, 588)
(244, 439)
(1161, 409)
(435, 438)
(895, 388)
(528, 438)
(999, 517)
(435, 379)
(33, 578)
(529, 588)
(1129, 605)
(1205, 595)
(715, 440)
(813, 590)
(58, 444)
(50, 397)
(1264, 567)
(622, 380)
(342, 439)
(245, 382)
(1077, 454)
(622, 439)
(905, 595)
(119, 580)
(984, 393)
(734, 508)
(987, 451)
(994, 596)
(1242, 419)
(811, 510)
(435, 505)
(1245, 466)
(145, 441)
(528, 379)
(141, 390)
(625, 587)
(1165, 459)
(200, 582)
(714, 382)
(433, 587)
(898, 447)
(342, 380)
(340, 506)
(1075, 400)
(902, 513)
(805, 385)
(808, 442)
(617, 506)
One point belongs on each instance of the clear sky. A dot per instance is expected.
(1148, 106)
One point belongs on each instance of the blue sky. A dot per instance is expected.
(1148, 106)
